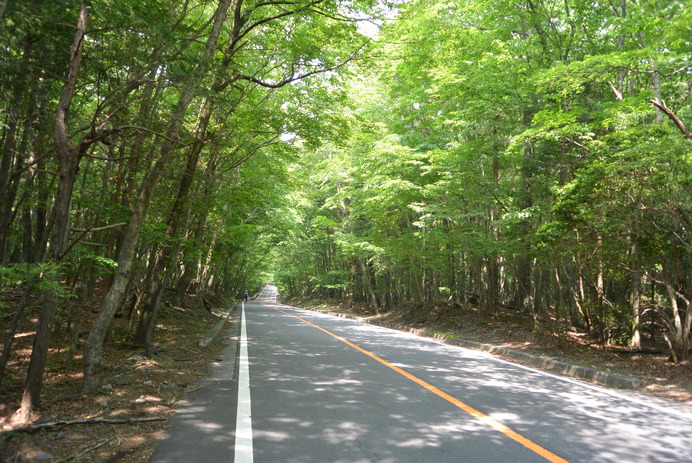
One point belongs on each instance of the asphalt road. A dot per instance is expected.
(306, 387)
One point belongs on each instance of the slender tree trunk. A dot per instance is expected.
(368, 285)
(69, 157)
(679, 297)
(351, 283)
(7, 193)
(8, 151)
(190, 270)
(580, 293)
(462, 275)
(14, 325)
(560, 302)
(677, 327)
(600, 293)
(635, 295)
(539, 308)
(522, 299)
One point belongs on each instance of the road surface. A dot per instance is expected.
(306, 387)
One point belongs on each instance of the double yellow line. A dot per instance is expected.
(548, 455)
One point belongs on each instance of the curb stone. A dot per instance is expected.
(215, 332)
(549, 363)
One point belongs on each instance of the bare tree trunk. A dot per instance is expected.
(69, 157)
(580, 293)
(540, 304)
(351, 283)
(190, 270)
(491, 289)
(14, 325)
(600, 293)
(522, 297)
(368, 285)
(679, 297)
(9, 153)
(635, 296)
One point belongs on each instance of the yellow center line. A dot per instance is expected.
(548, 455)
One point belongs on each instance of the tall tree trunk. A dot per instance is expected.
(8, 152)
(635, 295)
(368, 285)
(579, 292)
(522, 297)
(351, 282)
(540, 299)
(490, 298)
(69, 157)
(7, 193)
(190, 269)
(600, 293)
(676, 285)
(14, 325)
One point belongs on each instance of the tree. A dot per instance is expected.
(534, 125)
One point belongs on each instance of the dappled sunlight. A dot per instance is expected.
(527, 404)
(135, 441)
(343, 432)
(272, 436)
(153, 411)
(341, 401)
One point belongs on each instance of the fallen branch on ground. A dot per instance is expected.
(90, 448)
(55, 424)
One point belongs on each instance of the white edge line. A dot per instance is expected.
(243, 424)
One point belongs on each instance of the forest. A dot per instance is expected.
(525, 155)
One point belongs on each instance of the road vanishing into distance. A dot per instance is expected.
(306, 387)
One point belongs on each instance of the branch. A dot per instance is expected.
(36, 427)
(100, 135)
(128, 87)
(497, 199)
(618, 93)
(103, 158)
(46, 171)
(153, 132)
(574, 142)
(95, 229)
(60, 136)
(662, 106)
(32, 163)
(241, 19)
(293, 77)
(84, 232)
(91, 448)
(657, 71)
